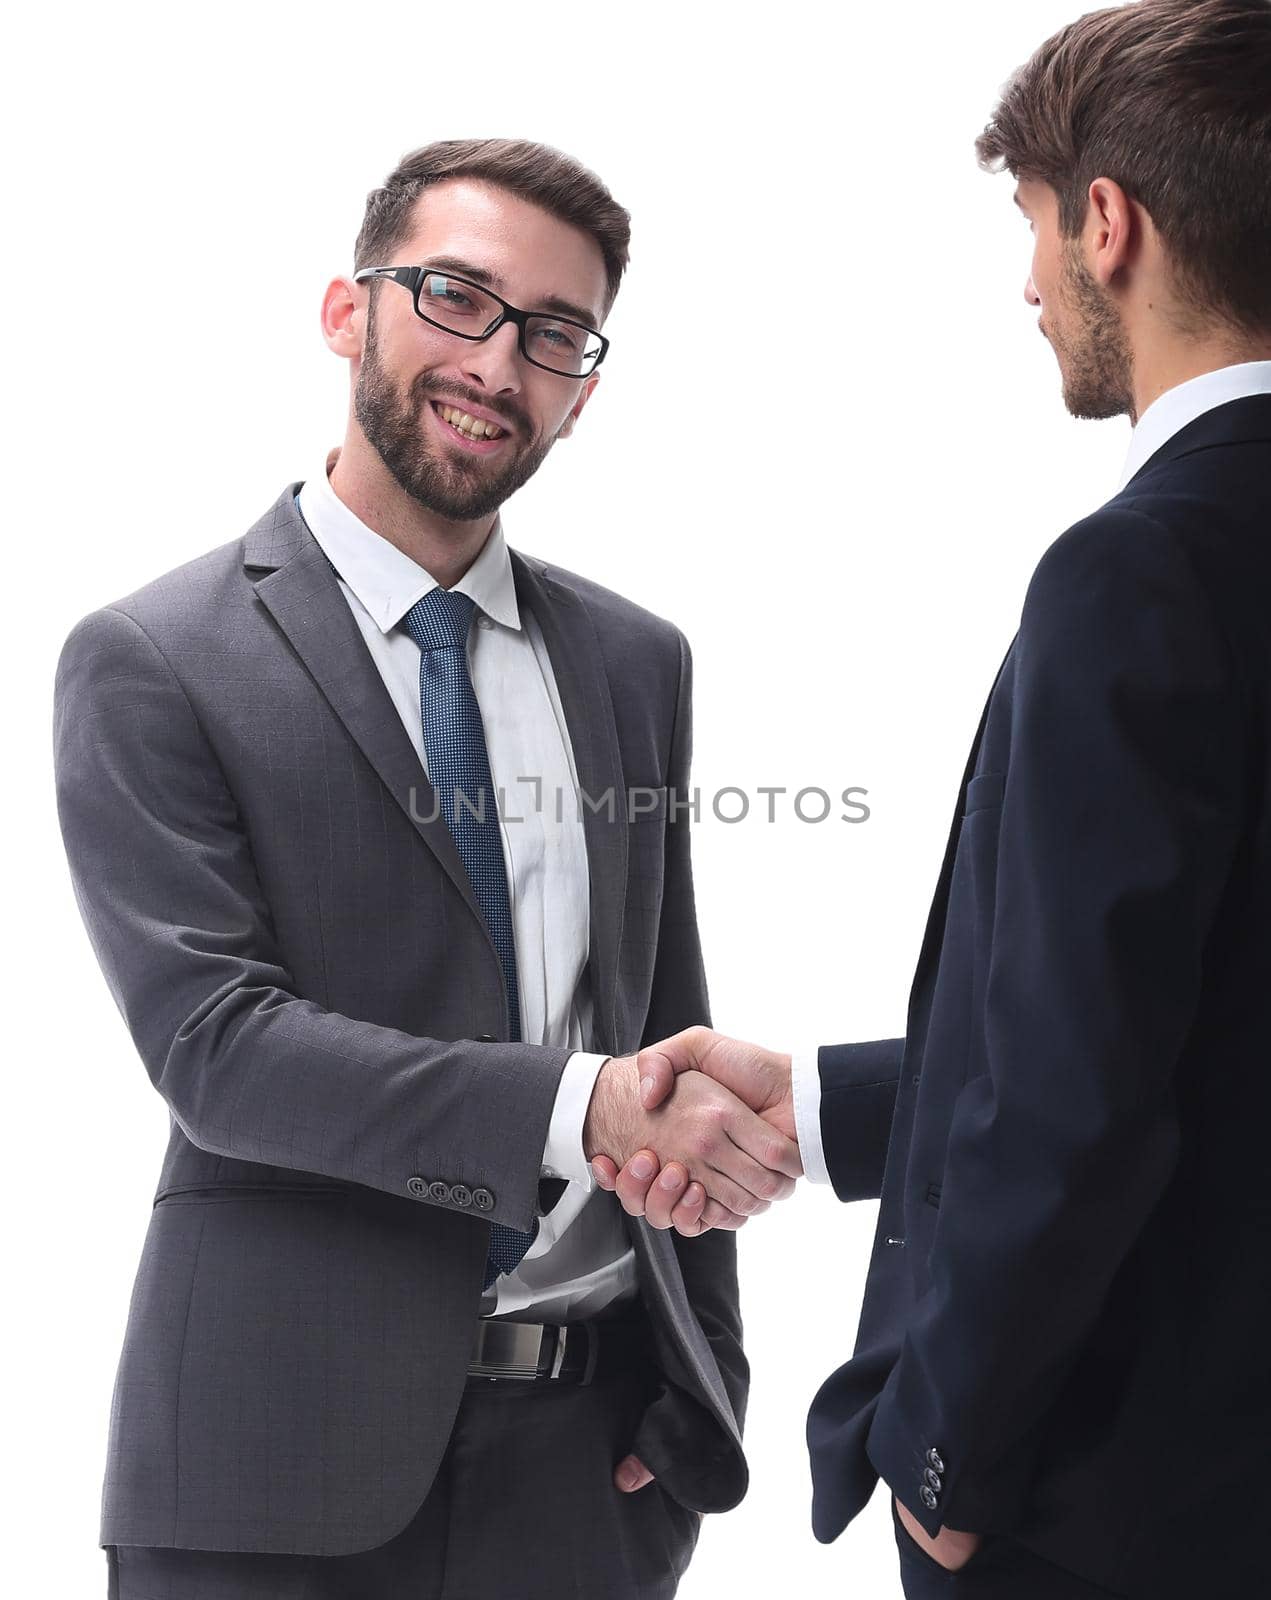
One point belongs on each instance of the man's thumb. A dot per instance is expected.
(657, 1077)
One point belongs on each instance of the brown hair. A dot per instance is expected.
(1171, 99)
(536, 172)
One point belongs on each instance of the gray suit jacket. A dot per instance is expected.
(300, 960)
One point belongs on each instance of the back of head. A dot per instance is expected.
(1171, 99)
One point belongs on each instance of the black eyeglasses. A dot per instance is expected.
(459, 306)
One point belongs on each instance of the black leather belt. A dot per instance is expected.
(544, 1352)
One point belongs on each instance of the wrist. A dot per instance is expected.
(607, 1128)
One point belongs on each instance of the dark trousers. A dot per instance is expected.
(523, 1508)
(999, 1570)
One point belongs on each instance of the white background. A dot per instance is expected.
(843, 519)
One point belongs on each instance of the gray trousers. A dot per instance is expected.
(523, 1508)
(999, 1570)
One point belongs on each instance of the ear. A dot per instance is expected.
(344, 317)
(1113, 229)
(567, 427)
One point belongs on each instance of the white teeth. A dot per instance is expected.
(474, 427)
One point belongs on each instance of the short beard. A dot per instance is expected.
(459, 489)
(1098, 365)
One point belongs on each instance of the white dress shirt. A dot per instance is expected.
(1157, 426)
(581, 1260)
(1187, 401)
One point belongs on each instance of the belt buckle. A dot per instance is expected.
(515, 1350)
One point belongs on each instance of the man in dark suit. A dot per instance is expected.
(367, 816)
(1060, 1370)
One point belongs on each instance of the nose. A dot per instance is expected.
(1030, 293)
(494, 363)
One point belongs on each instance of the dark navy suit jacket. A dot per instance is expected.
(1064, 1336)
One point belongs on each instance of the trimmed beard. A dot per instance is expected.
(1095, 360)
(457, 487)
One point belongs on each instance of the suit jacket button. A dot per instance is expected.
(461, 1194)
(934, 1479)
(485, 1038)
(935, 1459)
(418, 1187)
(483, 1200)
(929, 1498)
(439, 1191)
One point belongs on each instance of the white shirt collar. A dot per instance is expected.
(1187, 401)
(387, 582)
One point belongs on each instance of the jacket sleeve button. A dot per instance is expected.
(461, 1194)
(928, 1497)
(483, 1200)
(935, 1459)
(440, 1192)
(418, 1187)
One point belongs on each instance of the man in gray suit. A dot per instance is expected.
(371, 822)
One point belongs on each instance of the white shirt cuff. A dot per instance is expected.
(563, 1154)
(806, 1088)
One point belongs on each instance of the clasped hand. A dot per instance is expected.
(713, 1116)
(716, 1117)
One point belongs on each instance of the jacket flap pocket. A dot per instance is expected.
(985, 789)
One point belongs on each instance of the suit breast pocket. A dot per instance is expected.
(985, 789)
(647, 804)
(646, 871)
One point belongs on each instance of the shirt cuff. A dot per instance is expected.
(563, 1154)
(806, 1089)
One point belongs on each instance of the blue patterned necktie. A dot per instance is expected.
(454, 739)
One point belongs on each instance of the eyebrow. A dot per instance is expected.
(491, 280)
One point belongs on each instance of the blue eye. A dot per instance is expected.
(558, 338)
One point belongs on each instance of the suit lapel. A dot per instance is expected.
(295, 583)
(579, 669)
(921, 989)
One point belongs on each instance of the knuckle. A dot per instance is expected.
(715, 1113)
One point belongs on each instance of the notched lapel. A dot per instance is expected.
(296, 584)
(579, 668)
(921, 989)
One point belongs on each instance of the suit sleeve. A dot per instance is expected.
(858, 1102)
(679, 1000)
(1119, 822)
(162, 871)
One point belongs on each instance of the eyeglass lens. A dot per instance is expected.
(462, 308)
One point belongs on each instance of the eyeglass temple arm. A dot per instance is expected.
(406, 276)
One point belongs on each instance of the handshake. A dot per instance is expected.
(713, 1116)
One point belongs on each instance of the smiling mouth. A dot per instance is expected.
(469, 427)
